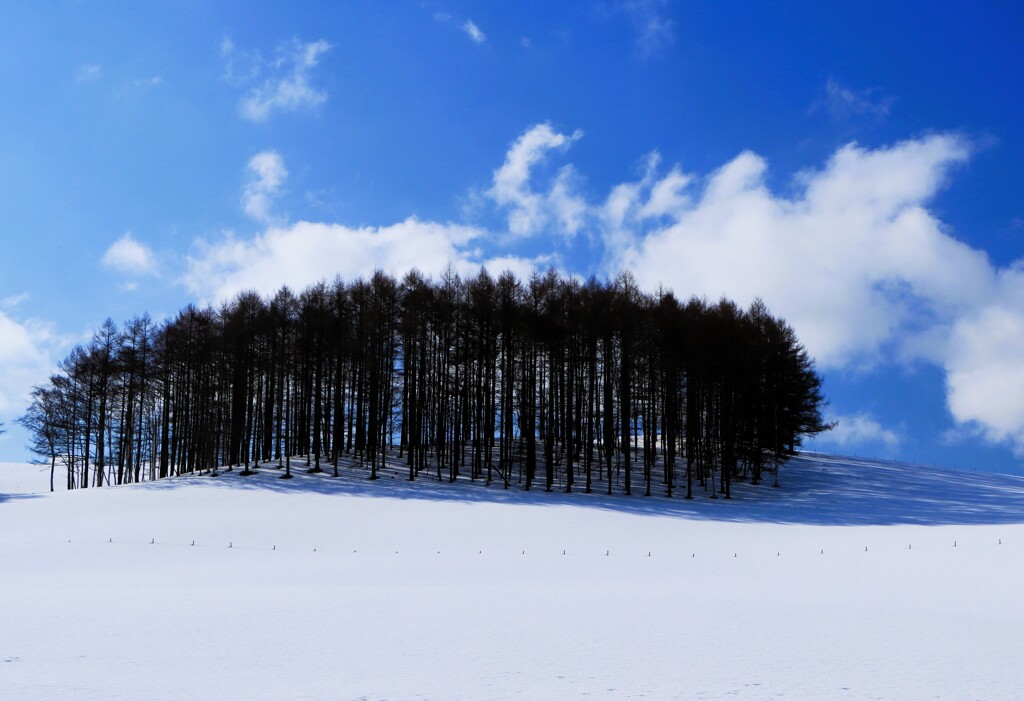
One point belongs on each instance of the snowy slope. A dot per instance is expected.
(853, 580)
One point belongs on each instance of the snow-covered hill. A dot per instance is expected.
(853, 580)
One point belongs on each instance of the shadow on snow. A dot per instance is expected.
(815, 490)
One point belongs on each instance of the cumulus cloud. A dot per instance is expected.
(855, 260)
(305, 252)
(860, 430)
(852, 255)
(282, 84)
(128, 256)
(531, 211)
(27, 351)
(265, 174)
(985, 365)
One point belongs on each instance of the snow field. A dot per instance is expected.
(420, 592)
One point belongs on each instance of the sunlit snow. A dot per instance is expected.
(852, 580)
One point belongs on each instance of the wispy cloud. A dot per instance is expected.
(14, 300)
(281, 84)
(240, 66)
(265, 174)
(653, 28)
(147, 83)
(88, 72)
(842, 102)
(128, 256)
(473, 32)
(466, 26)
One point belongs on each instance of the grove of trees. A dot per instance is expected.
(551, 383)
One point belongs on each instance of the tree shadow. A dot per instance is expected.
(815, 489)
(17, 497)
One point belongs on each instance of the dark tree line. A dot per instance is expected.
(551, 383)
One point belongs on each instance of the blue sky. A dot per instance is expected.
(854, 164)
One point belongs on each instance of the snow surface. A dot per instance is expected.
(844, 583)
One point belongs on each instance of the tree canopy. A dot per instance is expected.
(551, 382)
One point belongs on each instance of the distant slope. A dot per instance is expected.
(319, 587)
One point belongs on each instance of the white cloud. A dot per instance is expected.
(467, 26)
(860, 430)
(88, 72)
(523, 268)
(304, 252)
(529, 211)
(126, 255)
(27, 351)
(240, 66)
(852, 256)
(842, 102)
(855, 261)
(649, 18)
(985, 365)
(473, 32)
(265, 175)
(282, 84)
(146, 83)
(14, 300)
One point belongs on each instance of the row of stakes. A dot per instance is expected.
(231, 545)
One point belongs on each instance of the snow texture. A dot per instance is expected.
(853, 580)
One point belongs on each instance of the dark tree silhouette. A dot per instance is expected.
(488, 379)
